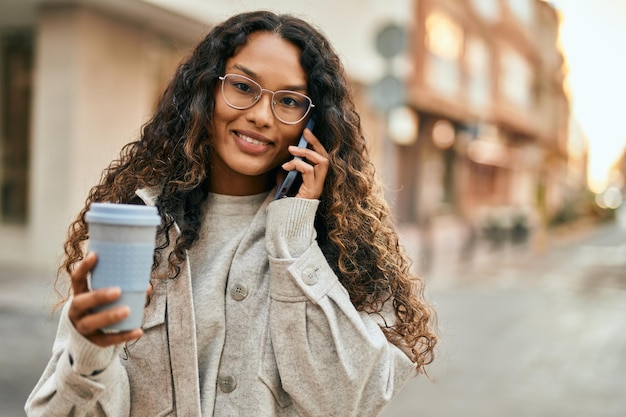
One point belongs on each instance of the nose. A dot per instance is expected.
(261, 113)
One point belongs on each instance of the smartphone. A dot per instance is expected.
(287, 184)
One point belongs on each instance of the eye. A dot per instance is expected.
(290, 99)
(243, 87)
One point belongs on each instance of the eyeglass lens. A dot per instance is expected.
(241, 93)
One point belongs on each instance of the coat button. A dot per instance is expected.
(239, 291)
(227, 383)
(84, 394)
(309, 276)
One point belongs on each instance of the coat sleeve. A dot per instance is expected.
(332, 359)
(81, 379)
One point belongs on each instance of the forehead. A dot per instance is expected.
(269, 59)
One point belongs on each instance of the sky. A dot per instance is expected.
(593, 37)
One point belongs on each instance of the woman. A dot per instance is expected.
(299, 306)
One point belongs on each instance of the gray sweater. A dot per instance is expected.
(274, 331)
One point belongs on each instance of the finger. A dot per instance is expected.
(83, 304)
(315, 147)
(314, 143)
(313, 165)
(79, 274)
(313, 178)
(304, 168)
(319, 162)
(109, 339)
(315, 154)
(311, 156)
(92, 323)
(89, 300)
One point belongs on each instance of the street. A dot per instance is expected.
(526, 334)
(531, 336)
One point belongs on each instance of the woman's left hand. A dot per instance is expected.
(313, 170)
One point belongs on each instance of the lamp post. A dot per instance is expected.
(389, 90)
(388, 96)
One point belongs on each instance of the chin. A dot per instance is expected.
(250, 170)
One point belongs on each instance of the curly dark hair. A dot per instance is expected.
(353, 222)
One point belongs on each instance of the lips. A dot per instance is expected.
(252, 143)
(250, 140)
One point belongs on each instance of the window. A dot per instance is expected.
(479, 71)
(16, 65)
(515, 78)
(444, 39)
(522, 10)
(487, 9)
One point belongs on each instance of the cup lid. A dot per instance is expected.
(123, 214)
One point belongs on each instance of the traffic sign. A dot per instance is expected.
(391, 40)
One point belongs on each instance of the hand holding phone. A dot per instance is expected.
(287, 183)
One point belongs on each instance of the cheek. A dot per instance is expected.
(291, 138)
(221, 111)
(222, 117)
(284, 154)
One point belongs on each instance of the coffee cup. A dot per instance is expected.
(123, 238)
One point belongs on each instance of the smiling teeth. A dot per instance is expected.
(250, 140)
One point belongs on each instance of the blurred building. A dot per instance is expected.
(487, 116)
(487, 93)
(77, 80)
(578, 194)
(618, 177)
(621, 167)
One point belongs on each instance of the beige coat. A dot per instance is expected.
(295, 347)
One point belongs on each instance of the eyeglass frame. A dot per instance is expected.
(258, 98)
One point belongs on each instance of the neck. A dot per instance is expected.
(240, 186)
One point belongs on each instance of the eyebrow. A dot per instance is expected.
(254, 75)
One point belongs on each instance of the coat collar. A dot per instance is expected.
(149, 195)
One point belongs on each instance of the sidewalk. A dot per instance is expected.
(445, 256)
(27, 325)
(26, 290)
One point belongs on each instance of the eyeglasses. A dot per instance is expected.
(241, 93)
